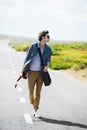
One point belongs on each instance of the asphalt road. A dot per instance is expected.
(63, 104)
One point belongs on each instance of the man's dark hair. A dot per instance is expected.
(42, 34)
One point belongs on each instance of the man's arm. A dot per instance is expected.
(47, 62)
(28, 54)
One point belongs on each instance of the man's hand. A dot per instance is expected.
(24, 75)
(45, 69)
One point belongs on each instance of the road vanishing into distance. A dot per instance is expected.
(63, 104)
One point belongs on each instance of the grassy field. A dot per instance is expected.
(71, 55)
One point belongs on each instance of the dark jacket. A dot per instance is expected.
(33, 50)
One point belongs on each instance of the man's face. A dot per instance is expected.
(47, 38)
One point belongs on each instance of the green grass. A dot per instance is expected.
(68, 58)
(71, 55)
(19, 46)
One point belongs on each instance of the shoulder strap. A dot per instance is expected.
(41, 58)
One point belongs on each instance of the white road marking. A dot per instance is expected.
(28, 118)
(20, 89)
(22, 100)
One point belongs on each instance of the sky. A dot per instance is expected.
(65, 19)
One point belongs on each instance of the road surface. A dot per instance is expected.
(63, 105)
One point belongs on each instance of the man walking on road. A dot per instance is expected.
(34, 68)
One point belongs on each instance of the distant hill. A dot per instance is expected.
(16, 38)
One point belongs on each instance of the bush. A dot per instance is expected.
(82, 65)
(76, 67)
(67, 59)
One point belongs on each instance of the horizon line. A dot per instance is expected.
(26, 37)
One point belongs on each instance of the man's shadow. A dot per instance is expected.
(61, 122)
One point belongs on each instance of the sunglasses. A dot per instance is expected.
(48, 36)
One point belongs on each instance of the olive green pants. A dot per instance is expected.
(35, 85)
